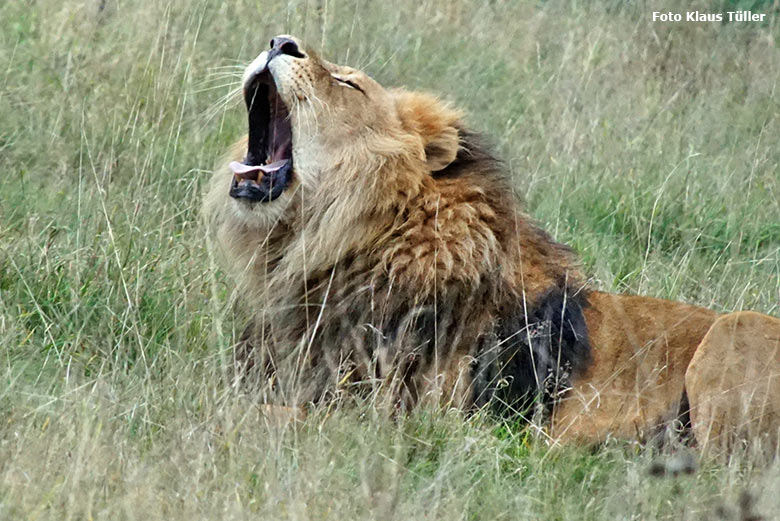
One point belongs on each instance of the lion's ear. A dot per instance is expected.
(435, 122)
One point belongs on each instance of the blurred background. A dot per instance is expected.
(650, 147)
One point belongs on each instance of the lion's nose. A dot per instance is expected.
(285, 45)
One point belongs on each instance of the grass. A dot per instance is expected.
(651, 148)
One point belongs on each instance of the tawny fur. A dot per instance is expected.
(733, 384)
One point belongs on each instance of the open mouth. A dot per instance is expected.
(266, 170)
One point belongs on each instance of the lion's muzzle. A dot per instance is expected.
(267, 169)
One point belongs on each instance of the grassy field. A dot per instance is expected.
(652, 148)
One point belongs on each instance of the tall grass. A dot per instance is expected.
(651, 148)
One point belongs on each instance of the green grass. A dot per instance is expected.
(651, 148)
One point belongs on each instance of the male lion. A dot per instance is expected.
(378, 245)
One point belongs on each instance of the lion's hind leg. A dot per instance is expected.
(733, 383)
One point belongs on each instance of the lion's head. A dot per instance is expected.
(309, 117)
(327, 147)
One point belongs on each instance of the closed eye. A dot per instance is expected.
(347, 83)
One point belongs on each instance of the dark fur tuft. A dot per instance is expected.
(535, 354)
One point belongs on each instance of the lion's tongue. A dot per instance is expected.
(252, 171)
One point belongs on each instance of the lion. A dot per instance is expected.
(378, 246)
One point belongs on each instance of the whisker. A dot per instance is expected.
(219, 106)
(221, 76)
(219, 67)
(215, 87)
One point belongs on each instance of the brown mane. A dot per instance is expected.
(441, 270)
